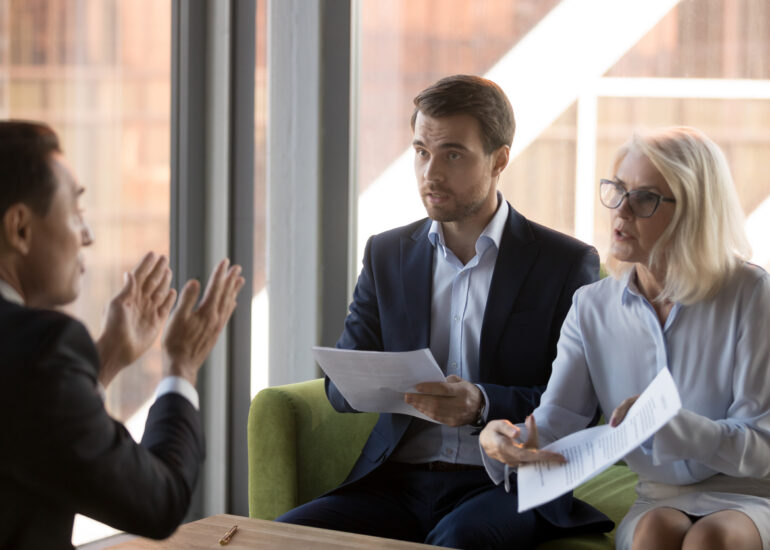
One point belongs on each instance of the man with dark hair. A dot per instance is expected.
(482, 99)
(486, 290)
(62, 454)
(26, 173)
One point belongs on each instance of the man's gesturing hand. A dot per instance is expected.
(455, 402)
(501, 440)
(135, 316)
(193, 331)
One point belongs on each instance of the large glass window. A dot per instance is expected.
(98, 71)
(581, 79)
(259, 305)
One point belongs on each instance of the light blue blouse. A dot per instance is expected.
(718, 350)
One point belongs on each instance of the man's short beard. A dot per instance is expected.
(460, 213)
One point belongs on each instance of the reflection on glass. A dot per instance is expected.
(259, 305)
(99, 73)
(581, 80)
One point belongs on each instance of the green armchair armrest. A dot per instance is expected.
(299, 448)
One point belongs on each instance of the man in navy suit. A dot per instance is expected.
(60, 452)
(486, 290)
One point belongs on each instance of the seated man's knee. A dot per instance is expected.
(455, 535)
(477, 534)
(297, 516)
(316, 513)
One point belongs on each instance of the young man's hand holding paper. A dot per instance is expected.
(376, 381)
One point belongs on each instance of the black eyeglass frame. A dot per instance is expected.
(627, 194)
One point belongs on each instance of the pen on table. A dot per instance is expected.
(230, 532)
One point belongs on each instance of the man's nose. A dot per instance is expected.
(432, 170)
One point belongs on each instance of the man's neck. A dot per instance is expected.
(460, 236)
(461, 241)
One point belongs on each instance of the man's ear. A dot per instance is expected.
(500, 160)
(17, 228)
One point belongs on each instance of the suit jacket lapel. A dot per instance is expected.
(518, 250)
(416, 264)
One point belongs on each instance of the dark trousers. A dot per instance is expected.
(462, 509)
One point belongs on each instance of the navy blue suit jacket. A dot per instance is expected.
(536, 273)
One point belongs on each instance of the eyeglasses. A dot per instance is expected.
(642, 203)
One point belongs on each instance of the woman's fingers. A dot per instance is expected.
(620, 412)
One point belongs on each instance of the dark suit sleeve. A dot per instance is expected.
(516, 402)
(362, 325)
(72, 453)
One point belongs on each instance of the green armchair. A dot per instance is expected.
(299, 448)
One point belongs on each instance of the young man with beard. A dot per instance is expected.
(486, 290)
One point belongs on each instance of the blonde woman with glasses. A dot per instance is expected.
(682, 297)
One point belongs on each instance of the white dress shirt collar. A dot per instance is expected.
(492, 233)
(10, 294)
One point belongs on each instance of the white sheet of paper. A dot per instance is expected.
(375, 381)
(590, 451)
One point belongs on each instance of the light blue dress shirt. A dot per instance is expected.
(458, 302)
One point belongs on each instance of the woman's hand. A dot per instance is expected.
(620, 412)
(500, 439)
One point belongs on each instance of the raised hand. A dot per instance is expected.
(193, 331)
(135, 316)
(455, 402)
(501, 440)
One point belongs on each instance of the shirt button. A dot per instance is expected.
(457, 318)
(453, 364)
(449, 452)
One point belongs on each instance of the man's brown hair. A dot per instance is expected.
(471, 95)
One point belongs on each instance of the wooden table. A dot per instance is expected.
(204, 534)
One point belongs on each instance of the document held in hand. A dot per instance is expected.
(375, 381)
(590, 451)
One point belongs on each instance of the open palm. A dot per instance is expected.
(136, 315)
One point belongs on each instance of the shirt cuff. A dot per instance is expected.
(178, 385)
(496, 470)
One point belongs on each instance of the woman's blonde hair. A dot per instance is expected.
(705, 240)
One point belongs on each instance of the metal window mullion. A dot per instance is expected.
(212, 180)
(310, 192)
(241, 229)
